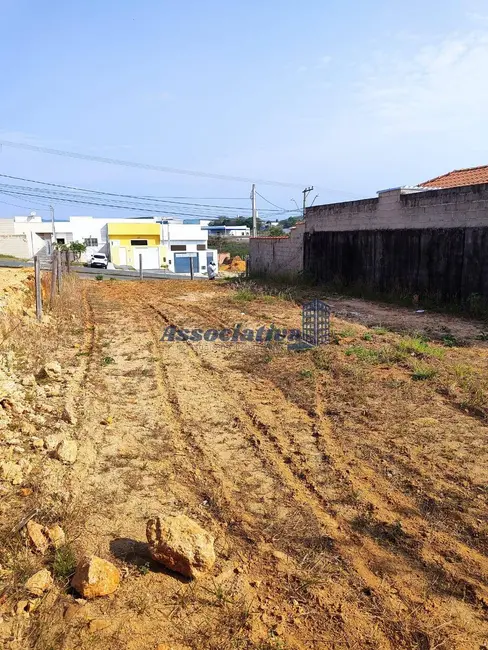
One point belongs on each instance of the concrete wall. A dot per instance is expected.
(277, 255)
(444, 264)
(465, 207)
(10, 243)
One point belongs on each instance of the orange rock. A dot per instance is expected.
(95, 577)
(180, 544)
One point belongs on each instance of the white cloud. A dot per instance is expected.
(324, 61)
(440, 87)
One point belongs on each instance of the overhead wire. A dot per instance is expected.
(151, 199)
(137, 208)
(159, 168)
(267, 201)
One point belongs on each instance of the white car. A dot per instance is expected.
(99, 260)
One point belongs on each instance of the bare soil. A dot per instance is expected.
(346, 486)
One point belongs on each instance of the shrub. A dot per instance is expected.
(64, 563)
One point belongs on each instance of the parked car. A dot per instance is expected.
(99, 260)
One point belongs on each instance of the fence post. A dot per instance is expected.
(67, 262)
(37, 282)
(141, 275)
(59, 266)
(54, 274)
(191, 268)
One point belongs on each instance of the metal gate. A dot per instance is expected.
(316, 322)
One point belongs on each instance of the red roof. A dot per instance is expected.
(460, 177)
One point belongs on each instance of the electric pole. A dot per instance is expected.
(253, 205)
(305, 193)
(52, 224)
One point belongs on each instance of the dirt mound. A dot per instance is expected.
(235, 264)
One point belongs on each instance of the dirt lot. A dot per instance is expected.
(346, 486)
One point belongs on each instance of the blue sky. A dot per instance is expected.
(349, 96)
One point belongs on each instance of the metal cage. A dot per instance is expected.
(316, 322)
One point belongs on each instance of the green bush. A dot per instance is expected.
(64, 563)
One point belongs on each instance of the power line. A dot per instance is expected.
(19, 194)
(265, 199)
(157, 168)
(15, 205)
(125, 196)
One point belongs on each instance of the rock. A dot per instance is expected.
(39, 583)
(11, 472)
(28, 429)
(95, 577)
(52, 441)
(38, 420)
(37, 443)
(36, 536)
(51, 370)
(53, 391)
(180, 544)
(56, 536)
(22, 608)
(69, 414)
(67, 451)
(28, 381)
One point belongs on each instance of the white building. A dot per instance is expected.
(176, 245)
(229, 231)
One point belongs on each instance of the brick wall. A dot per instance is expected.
(277, 255)
(465, 207)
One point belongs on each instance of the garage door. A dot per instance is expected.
(150, 257)
(182, 262)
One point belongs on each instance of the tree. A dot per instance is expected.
(275, 231)
(289, 223)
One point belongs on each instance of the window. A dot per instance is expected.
(91, 241)
(138, 242)
(201, 247)
(178, 247)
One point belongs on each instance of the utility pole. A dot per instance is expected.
(305, 193)
(52, 225)
(254, 232)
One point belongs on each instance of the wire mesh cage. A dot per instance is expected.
(316, 322)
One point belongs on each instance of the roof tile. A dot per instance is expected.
(459, 178)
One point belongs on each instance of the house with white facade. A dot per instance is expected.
(163, 244)
(229, 231)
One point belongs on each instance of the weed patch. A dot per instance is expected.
(422, 373)
(64, 562)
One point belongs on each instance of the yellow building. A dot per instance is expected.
(128, 241)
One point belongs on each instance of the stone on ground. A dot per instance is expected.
(36, 536)
(52, 441)
(39, 582)
(67, 451)
(69, 414)
(11, 472)
(56, 536)
(51, 370)
(95, 577)
(180, 544)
